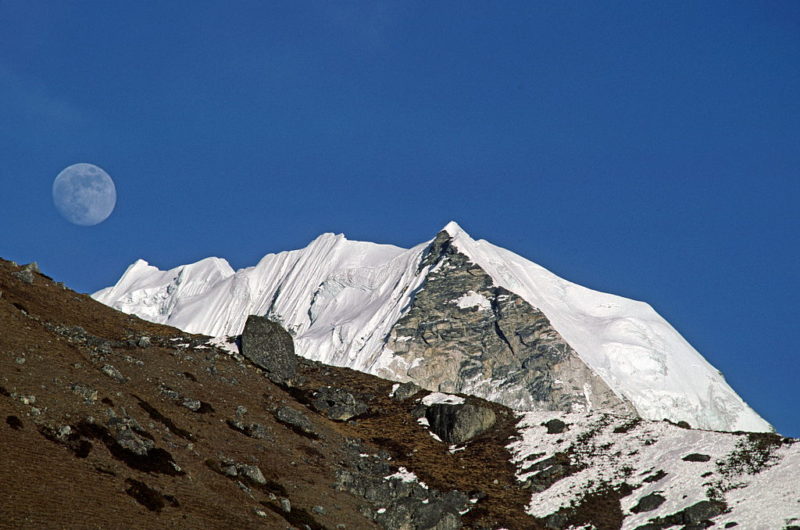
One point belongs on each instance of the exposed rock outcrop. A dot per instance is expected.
(464, 334)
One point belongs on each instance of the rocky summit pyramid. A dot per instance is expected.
(452, 314)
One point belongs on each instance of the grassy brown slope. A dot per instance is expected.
(82, 479)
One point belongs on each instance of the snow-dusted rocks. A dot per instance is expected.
(662, 474)
(452, 314)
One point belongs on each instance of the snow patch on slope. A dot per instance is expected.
(649, 456)
(435, 398)
(473, 299)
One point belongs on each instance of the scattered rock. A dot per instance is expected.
(655, 477)
(318, 510)
(26, 276)
(555, 426)
(130, 436)
(20, 360)
(459, 423)
(338, 404)
(405, 391)
(295, 419)
(698, 515)
(253, 430)
(703, 511)
(397, 502)
(143, 342)
(88, 394)
(113, 373)
(696, 457)
(648, 503)
(270, 347)
(252, 473)
(548, 471)
(171, 394)
(192, 404)
(286, 505)
(240, 411)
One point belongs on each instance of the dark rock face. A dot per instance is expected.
(555, 426)
(702, 511)
(462, 334)
(270, 347)
(648, 503)
(398, 503)
(338, 404)
(696, 457)
(655, 477)
(697, 515)
(405, 391)
(548, 471)
(457, 424)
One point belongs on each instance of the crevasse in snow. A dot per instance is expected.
(340, 299)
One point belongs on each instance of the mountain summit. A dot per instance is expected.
(452, 314)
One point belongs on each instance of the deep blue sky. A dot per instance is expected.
(650, 149)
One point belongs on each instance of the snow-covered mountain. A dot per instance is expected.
(452, 314)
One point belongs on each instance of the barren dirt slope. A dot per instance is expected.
(109, 421)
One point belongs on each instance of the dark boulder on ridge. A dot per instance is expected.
(270, 347)
(459, 423)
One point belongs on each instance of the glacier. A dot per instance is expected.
(340, 300)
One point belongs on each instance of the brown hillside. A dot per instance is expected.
(109, 421)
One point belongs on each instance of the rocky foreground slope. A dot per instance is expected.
(111, 421)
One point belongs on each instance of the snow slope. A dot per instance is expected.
(340, 299)
(754, 475)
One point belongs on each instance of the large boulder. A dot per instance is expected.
(459, 423)
(270, 347)
(405, 391)
(295, 420)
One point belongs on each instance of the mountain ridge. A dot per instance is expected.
(341, 299)
(113, 421)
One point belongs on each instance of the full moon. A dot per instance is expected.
(84, 194)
